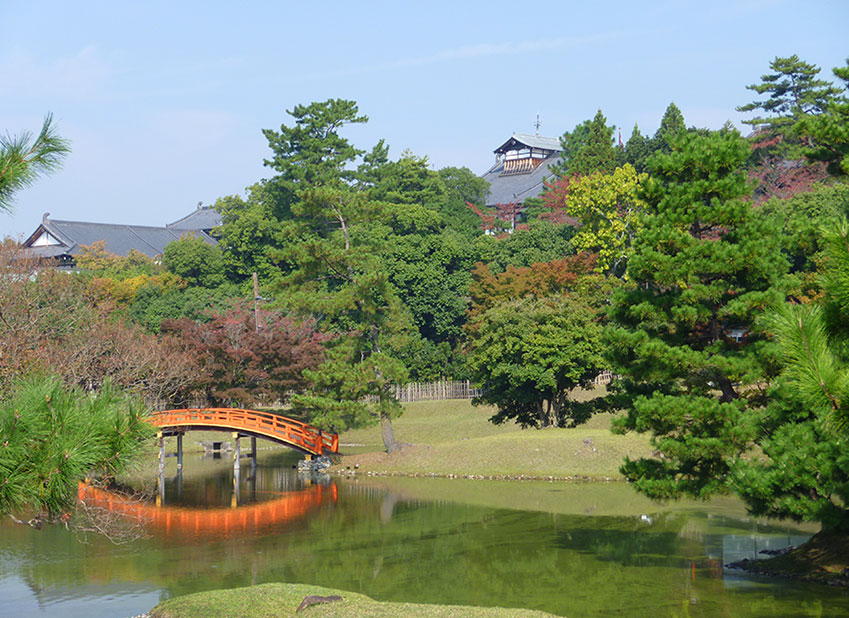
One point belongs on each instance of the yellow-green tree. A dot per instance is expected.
(607, 208)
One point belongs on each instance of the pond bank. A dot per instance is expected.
(824, 559)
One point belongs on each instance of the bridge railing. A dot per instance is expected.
(281, 427)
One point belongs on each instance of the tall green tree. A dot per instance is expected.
(23, 158)
(793, 92)
(597, 154)
(337, 274)
(311, 151)
(637, 150)
(803, 472)
(671, 124)
(685, 340)
(829, 131)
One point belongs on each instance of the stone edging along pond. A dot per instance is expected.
(349, 473)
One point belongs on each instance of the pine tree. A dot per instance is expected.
(803, 472)
(23, 159)
(53, 437)
(703, 269)
(793, 92)
(829, 132)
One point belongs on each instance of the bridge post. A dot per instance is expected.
(160, 498)
(179, 453)
(253, 456)
(237, 453)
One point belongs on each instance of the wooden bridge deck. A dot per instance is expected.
(280, 429)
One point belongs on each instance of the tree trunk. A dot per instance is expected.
(544, 408)
(388, 434)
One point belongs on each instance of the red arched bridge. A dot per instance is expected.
(253, 423)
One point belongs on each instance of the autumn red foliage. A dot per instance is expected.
(777, 177)
(243, 364)
(554, 199)
(539, 280)
(50, 324)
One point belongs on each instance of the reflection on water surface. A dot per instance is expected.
(572, 550)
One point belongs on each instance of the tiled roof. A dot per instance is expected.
(531, 141)
(517, 187)
(204, 218)
(119, 239)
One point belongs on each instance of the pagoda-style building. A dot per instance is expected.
(522, 164)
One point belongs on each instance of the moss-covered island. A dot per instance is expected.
(284, 600)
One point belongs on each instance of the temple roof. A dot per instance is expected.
(55, 238)
(523, 140)
(203, 218)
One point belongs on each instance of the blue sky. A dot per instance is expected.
(164, 102)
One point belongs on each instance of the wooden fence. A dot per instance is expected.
(436, 391)
(414, 391)
(455, 389)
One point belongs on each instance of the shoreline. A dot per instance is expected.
(824, 560)
(350, 473)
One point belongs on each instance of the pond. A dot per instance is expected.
(568, 549)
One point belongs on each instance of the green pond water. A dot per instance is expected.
(568, 549)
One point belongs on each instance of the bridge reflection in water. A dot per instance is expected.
(178, 520)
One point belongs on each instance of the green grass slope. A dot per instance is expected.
(454, 438)
(284, 599)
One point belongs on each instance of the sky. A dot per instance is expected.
(164, 102)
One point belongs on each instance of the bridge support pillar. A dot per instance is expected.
(160, 498)
(179, 453)
(253, 456)
(237, 451)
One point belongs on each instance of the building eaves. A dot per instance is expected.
(518, 140)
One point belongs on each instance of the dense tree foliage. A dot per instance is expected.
(245, 358)
(793, 91)
(607, 209)
(692, 359)
(597, 154)
(196, 261)
(530, 354)
(804, 470)
(829, 132)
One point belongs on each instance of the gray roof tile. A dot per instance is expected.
(517, 187)
(204, 218)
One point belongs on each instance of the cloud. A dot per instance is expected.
(469, 52)
(81, 75)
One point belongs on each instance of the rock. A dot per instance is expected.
(314, 599)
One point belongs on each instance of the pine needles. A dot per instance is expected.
(51, 438)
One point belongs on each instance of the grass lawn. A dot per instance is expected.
(446, 438)
(284, 599)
